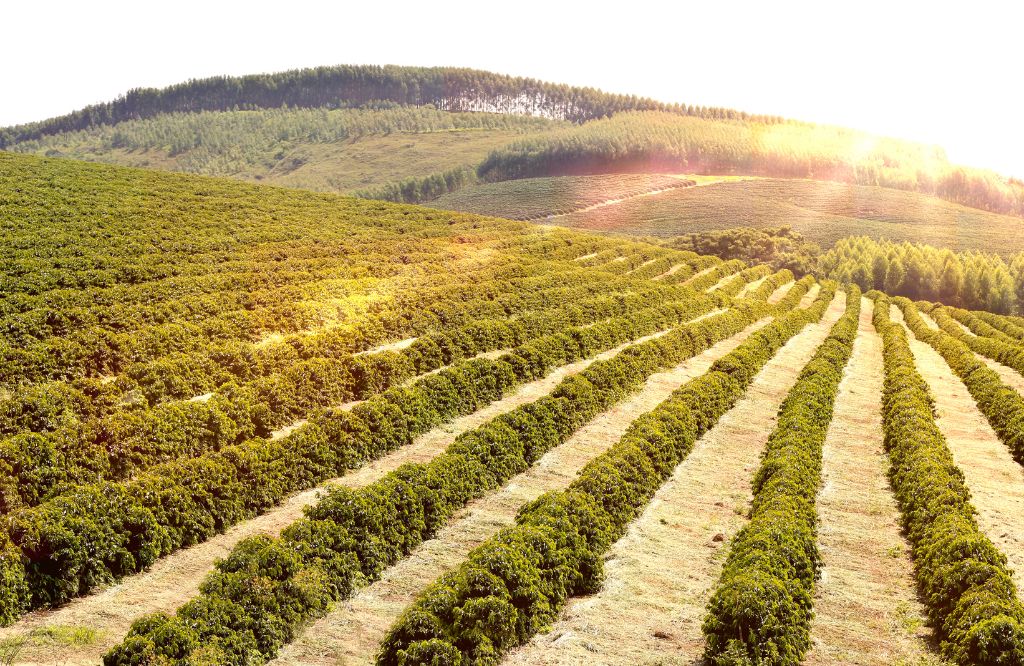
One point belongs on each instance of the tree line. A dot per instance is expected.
(971, 280)
(447, 88)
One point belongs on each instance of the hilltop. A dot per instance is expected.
(413, 134)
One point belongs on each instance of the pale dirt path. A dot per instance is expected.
(721, 283)
(586, 256)
(866, 609)
(352, 633)
(661, 573)
(750, 286)
(995, 480)
(671, 271)
(700, 181)
(1007, 375)
(781, 292)
(699, 274)
(611, 202)
(809, 297)
(175, 579)
(391, 346)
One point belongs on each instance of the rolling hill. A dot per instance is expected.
(297, 128)
(248, 424)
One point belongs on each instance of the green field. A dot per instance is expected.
(536, 198)
(823, 212)
(325, 150)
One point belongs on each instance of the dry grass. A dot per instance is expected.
(750, 286)
(780, 293)
(866, 608)
(175, 579)
(995, 480)
(353, 631)
(660, 574)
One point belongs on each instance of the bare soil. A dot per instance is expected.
(661, 573)
(995, 480)
(352, 632)
(866, 609)
(780, 293)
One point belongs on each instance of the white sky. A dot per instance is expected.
(951, 74)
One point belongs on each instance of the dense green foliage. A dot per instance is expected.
(514, 584)
(970, 280)
(760, 612)
(780, 248)
(353, 535)
(423, 189)
(655, 141)
(157, 328)
(447, 88)
(963, 578)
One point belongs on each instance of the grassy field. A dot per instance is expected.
(536, 198)
(325, 150)
(243, 424)
(823, 212)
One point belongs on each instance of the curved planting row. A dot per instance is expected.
(503, 286)
(770, 284)
(735, 285)
(1013, 327)
(189, 372)
(515, 583)
(1000, 349)
(715, 275)
(962, 576)
(35, 467)
(1002, 405)
(97, 533)
(760, 613)
(260, 595)
(973, 322)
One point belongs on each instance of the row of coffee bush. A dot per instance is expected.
(353, 535)
(514, 584)
(35, 467)
(1002, 405)
(97, 533)
(760, 612)
(962, 576)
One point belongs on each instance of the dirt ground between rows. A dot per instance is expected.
(351, 634)
(661, 573)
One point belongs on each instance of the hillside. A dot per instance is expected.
(299, 129)
(318, 149)
(823, 212)
(251, 424)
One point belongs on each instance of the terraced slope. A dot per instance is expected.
(823, 212)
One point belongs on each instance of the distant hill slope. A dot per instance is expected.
(297, 128)
(337, 150)
(823, 212)
(447, 88)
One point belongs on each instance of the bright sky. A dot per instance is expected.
(941, 73)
